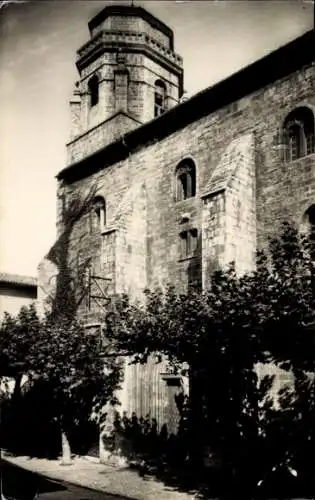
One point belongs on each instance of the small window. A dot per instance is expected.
(185, 180)
(299, 133)
(94, 90)
(98, 214)
(188, 243)
(159, 98)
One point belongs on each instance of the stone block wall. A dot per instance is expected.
(213, 235)
(99, 136)
(47, 273)
(145, 52)
(94, 125)
(229, 211)
(131, 226)
(262, 190)
(132, 24)
(281, 188)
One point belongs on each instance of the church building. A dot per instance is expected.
(182, 185)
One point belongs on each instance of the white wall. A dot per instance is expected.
(13, 298)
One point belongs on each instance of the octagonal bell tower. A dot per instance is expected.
(129, 74)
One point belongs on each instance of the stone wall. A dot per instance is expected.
(240, 206)
(229, 210)
(131, 223)
(143, 390)
(260, 190)
(47, 273)
(99, 136)
(132, 24)
(281, 188)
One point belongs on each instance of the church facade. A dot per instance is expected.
(182, 186)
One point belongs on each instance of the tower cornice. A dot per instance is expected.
(109, 41)
(131, 11)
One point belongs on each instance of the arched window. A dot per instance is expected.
(299, 133)
(185, 180)
(93, 86)
(159, 98)
(98, 214)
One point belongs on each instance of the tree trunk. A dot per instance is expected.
(107, 430)
(17, 387)
(66, 449)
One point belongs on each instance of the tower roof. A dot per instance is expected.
(131, 11)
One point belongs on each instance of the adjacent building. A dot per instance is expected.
(16, 291)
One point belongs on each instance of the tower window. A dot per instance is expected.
(299, 133)
(93, 86)
(185, 180)
(188, 243)
(159, 98)
(98, 214)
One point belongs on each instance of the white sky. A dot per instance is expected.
(38, 43)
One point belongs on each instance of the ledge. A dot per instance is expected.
(183, 259)
(310, 156)
(215, 192)
(97, 324)
(171, 379)
(108, 230)
(178, 203)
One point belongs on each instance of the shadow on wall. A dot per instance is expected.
(28, 428)
(166, 456)
(147, 448)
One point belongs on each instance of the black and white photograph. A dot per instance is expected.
(157, 255)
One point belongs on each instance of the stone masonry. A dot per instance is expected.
(229, 211)
(232, 133)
